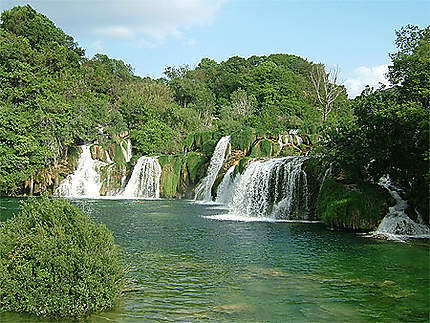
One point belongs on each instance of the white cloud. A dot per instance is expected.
(190, 42)
(363, 76)
(97, 46)
(143, 43)
(155, 20)
(115, 32)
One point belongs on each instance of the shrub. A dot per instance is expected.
(55, 261)
(243, 139)
(359, 207)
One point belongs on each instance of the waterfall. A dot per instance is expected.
(85, 181)
(328, 172)
(115, 179)
(126, 151)
(396, 224)
(291, 138)
(108, 159)
(274, 189)
(221, 153)
(226, 187)
(145, 179)
(129, 155)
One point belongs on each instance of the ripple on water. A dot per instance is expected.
(193, 266)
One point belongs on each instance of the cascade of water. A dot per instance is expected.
(117, 174)
(126, 151)
(145, 179)
(288, 139)
(220, 155)
(328, 172)
(226, 187)
(281, 142)
(276, 188)
(129, 154)
(108, 159)
(396, 224)
(85, 181)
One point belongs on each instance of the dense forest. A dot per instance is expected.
(54, 98)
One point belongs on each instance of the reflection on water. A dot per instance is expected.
(187, 267)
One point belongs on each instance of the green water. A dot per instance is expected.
(196, 269)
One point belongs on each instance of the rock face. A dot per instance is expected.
(114, 177)
(116, 171)
(181, 173)
(49, 178)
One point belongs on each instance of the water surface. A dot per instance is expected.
(193, 268)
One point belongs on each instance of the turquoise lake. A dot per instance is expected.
(190, 268)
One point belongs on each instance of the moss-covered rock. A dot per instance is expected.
(196, 164)
(98, 152)
(208, 147)
(171, 169)
(197, 140)
(115, 152)
(315, 171)
(241, 165)
(114, 178)
(243, 139)
(290, 151)
(181, 173)
(351, 206)
(263, 148)
(48, 178)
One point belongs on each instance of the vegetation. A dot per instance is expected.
(54, 98)
(352, 206)
(389, 133)
(55, 261)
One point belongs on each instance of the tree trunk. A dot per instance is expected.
(31, 185)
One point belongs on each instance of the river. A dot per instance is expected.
(194, 268)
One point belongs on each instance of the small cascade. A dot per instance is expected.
(291, 138)
(108, 159)
(274, 189)
(226, 187)
(145, 179)
(114, 180)
(327, 173)
(85, 181)
(220, 155)
(126, 151)
(396, 224)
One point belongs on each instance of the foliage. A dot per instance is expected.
(264, 148)
(151, 137)
(243, 139)
(55, 261)
(351, 207)
(390, 130)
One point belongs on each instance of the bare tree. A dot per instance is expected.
(326, 88)
(241, 103)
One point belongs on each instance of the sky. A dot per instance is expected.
(356, 36)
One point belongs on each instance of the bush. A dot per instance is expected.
(55, 261)
(243, 139)
(352, 207)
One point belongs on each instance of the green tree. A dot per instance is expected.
(390, 133)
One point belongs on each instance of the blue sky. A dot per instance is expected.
(152, 34)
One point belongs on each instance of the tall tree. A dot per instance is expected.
(326, 88)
